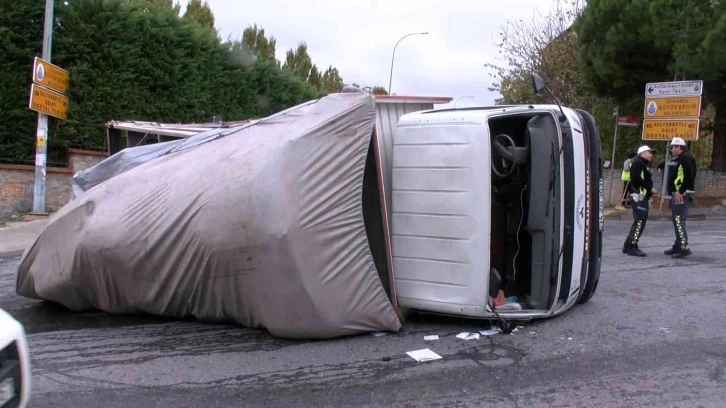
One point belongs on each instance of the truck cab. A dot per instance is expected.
(496, 210)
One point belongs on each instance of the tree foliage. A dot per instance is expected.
(298, 62)
(543, 45)
(379, 90)
(332, 82)
(261, 46)
(131, 59)
(625, 44)
(548, 45)
(21, 31)
(199, 13)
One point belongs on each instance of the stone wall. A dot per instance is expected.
(709, 184)
(17, 181)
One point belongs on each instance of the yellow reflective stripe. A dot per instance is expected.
(642, 177)
(679, 177)
(638, 231)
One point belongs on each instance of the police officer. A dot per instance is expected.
(681, 188)
(641, 189)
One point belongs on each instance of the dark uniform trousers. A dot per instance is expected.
(641, 209)
(679, 213)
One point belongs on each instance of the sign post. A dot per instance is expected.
(672, 109)
(616, 113)
(46, 97)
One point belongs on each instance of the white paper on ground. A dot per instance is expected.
(431, 337)
(423, 355)
(490, 332)
(468, 336)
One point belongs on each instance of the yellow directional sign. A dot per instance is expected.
(667, 129)
(48, 102)
(673, 107)
(49, 75)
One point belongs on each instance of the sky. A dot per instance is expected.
(358, 37)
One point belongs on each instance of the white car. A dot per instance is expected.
(14, 363)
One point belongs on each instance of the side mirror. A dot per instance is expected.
(538, 84)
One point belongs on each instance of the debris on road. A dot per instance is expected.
(491, 332)
(468, 336)
(423, 355)
(431, 337)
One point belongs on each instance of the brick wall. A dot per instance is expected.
(17, 181)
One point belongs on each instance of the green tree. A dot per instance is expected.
(544, 45)
(172, 4)
(259, 45)
(315, 79)
(298, 62)
(21, 33)
(332, 82)
(199, 13)
(548, 45)
(134, 60)
(625, 44)
(379, 90)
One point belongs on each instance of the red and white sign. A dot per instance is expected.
(627, 120)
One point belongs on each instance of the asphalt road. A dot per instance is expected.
(653, 335)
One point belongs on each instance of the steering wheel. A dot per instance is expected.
(503, 163)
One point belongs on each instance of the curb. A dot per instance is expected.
(695, 217)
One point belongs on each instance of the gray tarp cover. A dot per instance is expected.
(263, 227)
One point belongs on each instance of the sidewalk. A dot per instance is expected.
(18, 236)
(709, 213)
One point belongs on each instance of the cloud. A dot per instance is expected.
(358, 37)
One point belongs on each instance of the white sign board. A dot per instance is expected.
(677, 88)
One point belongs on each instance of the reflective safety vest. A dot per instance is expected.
(643, 190)
(625, 176)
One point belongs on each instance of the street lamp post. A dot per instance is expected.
(390, 78)
(460, 98)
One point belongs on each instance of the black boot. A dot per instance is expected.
(626, 247)
(671, 251)
(635, 251)
(681, 253)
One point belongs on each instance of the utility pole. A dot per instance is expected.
(41, 149)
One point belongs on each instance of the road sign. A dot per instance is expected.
(49, 75)
(667, 129)
(676, 88)
(49, 102)
(628, 120)
(673, 107)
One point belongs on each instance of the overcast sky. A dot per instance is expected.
(358, 36)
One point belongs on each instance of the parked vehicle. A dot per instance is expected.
(14, 363)
(497, 198)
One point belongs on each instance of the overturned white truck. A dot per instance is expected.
(316, 223)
